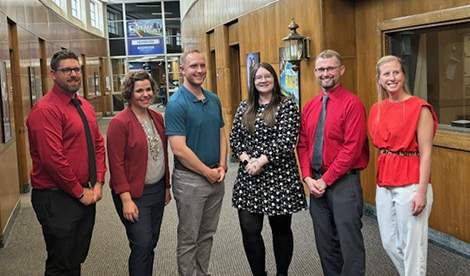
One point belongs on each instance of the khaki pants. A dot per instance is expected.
(198, 203)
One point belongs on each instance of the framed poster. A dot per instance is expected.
(289, 79)
(32, 85)
(5, 112)
(251, 60)
(96, 80)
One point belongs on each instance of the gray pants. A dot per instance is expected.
(198, 203)
(337, 223)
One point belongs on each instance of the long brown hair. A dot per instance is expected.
(269, 114)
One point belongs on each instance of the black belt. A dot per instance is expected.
(180, 167)
(84, 185)
(322, 172)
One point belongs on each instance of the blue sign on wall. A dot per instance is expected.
(145, 46)
(145, 37)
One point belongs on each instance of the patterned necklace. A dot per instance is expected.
(152, 138)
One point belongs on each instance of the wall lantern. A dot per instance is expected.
(296, 46)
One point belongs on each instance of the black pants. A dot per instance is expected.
(337, 223)
(283, 242)
(67, 226)
(143, 234)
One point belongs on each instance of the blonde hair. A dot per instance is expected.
(381, 93)
(329, 54)
(186, 53)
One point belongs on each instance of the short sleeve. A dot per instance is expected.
(175, 119)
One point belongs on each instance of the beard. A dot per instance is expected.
(327, 86)
(69, 87)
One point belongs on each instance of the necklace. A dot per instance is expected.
(152, 138)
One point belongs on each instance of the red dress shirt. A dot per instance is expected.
(128, 152)
(58, 144)
(345, 143)
(393, 127)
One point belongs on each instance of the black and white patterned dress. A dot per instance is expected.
(277, 190)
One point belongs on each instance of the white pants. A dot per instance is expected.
(404, 236)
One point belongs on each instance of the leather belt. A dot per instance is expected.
(180, 167)
(84, 185)
(322, 172)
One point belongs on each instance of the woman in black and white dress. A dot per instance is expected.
(264, 136)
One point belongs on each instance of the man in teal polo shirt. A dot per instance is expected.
(195, 129)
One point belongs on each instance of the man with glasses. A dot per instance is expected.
(332, 150)
(68, 156)
(195, 129)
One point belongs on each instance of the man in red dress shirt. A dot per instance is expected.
(332, 174)
(65, 188)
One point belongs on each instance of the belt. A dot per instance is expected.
(322, 172)
(400, 153)
(84, 185)
(180, 167)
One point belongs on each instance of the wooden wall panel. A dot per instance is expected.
(9, 188)
(208, 14)
(451, 190)
(9, 191)
(33, 21)
(449, 179)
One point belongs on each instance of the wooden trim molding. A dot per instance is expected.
(452, 139)
(430, 19)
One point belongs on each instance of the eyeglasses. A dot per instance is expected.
(327, 69)
(68, 71)
(267, 77)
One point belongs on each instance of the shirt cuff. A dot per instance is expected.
(100, 177)
(77, 191)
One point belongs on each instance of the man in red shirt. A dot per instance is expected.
(66, 179)
(332, 149)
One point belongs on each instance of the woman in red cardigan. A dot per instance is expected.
(138, 162)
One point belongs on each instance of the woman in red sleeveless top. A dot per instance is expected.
(402, 127)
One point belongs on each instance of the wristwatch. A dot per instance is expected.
(224, 167)
(81, 196)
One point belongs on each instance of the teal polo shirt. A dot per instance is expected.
(198, 120)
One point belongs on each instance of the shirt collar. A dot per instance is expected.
(334, 94)
(191, 95)
(63, 97)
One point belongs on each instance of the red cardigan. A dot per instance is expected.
(128, 152)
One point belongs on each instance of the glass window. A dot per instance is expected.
(149, 10)
(117, 47)
(93, 14)
(115, 21)
(438, 60)
(59, 3)
(75, 8)
(173, 27)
